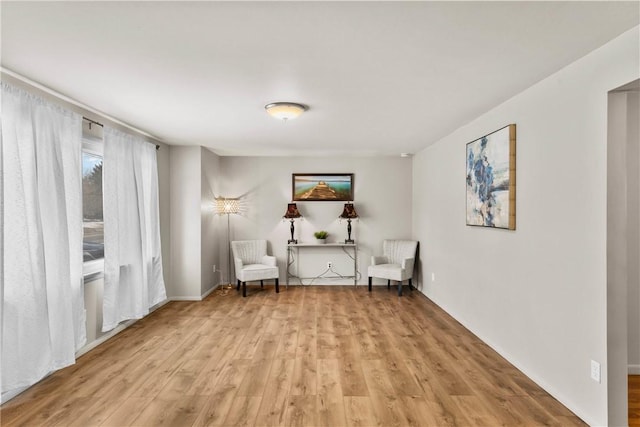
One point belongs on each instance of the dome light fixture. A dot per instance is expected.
(285, 110)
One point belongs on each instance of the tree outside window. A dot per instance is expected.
(93, 222)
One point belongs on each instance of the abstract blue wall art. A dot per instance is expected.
(491, 180)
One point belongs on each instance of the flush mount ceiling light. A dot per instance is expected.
(285, 110)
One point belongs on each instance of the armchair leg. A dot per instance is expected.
(262, 283)
(244, 289)
(388, 284)
(370, 284)
(400, 288)
(238, 287)
(277, 286)
(410, 284)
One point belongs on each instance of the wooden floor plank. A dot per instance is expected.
(124, 414)
(329, 403)
(273, 407)
(302, 411)
(304, 381)
(243, 411)
(359, 411)
(308, 356)
(634, 400)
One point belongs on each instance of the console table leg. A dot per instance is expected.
(370, 284)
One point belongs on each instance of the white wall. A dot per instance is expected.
(163, 155)
(209, 222)
(194, 181)
(633, 233)
(537, 294)
(185, 208)
(382, 199)
(617, 259)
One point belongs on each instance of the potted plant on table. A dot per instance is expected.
(321, 236)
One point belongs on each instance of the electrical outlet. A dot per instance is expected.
(329, 264)
(214, 268)
(595, 371)
(433, 277)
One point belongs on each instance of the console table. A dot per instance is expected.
(344, 246)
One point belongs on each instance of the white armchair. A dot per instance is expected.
(396, 263)
(252, 263)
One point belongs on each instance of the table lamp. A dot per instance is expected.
(292, 213)
(349, 213)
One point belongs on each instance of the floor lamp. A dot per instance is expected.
(227, 207)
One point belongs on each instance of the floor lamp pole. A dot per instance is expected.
(228, 252)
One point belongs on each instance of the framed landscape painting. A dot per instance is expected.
(335, 187)
(491, 180)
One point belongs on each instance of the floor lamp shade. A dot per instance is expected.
(227, 206)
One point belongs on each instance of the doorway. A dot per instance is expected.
(623, 248)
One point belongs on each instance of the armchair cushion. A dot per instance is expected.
(251, 272)
(390, 272)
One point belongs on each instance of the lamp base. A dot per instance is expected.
(224, 288)
(349, 241)
(294, 241)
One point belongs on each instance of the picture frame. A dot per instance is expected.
(322, 187)
(491, 180)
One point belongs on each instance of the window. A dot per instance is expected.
(93, 222)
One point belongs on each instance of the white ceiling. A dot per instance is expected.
(380, 78)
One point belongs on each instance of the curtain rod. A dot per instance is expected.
(102, 126)
(67, 102)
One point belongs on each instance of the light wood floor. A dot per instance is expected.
(309, 356)
(634, 400)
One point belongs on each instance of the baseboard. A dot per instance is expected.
(633, 369)
(566, 401)
(112, 333)
(186, 298)
(200, 298)
(206, 294)
(121, 327)
(8, 395)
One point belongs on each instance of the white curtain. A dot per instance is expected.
(133, 262)
(42, 310)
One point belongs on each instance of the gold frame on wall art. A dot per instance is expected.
(491, 180)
